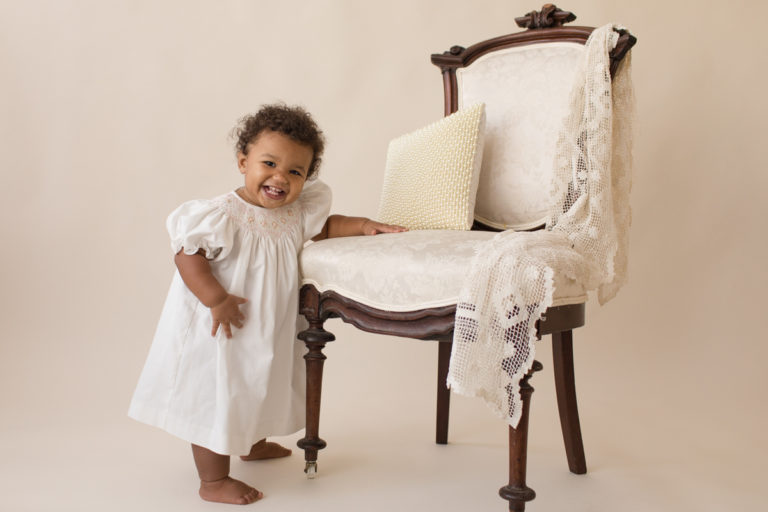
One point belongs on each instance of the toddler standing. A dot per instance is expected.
(224, 370)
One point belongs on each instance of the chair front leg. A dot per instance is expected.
(517, 492)
(315, 338)
(565, 387)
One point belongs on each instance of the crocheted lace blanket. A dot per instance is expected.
(510, 282)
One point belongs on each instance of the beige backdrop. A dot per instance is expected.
(112, 113)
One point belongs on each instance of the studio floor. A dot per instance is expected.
(88, 456)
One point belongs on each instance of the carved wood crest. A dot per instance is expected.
(549, 16)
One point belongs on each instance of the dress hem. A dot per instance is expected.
(216, 442)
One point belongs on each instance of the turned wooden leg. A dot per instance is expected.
(315, 339)
(443, 393)
(517, 493)
(565, 386)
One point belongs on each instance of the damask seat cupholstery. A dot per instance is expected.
(430, 267)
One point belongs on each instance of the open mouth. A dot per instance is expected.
(273, 192)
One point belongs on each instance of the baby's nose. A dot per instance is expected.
(281, 177)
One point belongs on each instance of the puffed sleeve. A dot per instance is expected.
(201, 224)
(316, 205)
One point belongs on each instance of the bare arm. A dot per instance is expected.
(340, 225)
(196, 273)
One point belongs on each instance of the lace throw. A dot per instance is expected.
(510, 283)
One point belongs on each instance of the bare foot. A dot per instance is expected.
(229, 490)
(266, 450)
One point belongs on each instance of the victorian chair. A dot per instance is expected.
(502, 72)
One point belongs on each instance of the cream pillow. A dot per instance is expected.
(432, 174)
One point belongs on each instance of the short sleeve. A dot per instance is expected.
(316, 205)
(201, 225)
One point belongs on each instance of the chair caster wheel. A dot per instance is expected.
(310, 468)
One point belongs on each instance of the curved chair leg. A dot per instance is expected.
(443, 393)
(517, 492)
(565, 386)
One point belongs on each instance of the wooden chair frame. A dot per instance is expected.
(437, 323)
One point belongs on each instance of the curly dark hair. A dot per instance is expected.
(292, 121)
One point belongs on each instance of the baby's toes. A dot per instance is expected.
(252, 496)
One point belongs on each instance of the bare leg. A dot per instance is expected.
(215, 483)
(266, 450)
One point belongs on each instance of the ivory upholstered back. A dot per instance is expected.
(525, 90)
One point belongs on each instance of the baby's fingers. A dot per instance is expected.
(386, 228)
(215, 327)
(389, 228)
(227, 329)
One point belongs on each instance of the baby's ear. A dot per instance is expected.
(241, 158)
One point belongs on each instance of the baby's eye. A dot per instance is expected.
(269, 163)
(294, 171)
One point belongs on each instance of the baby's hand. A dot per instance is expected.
(371, 227)
(226, 314)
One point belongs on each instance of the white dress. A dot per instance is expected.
(226, 394)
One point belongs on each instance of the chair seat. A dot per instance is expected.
(405, 271)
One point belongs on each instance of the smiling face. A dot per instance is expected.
(275, 169)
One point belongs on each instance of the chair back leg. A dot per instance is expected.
(443, 393)
(565, 386)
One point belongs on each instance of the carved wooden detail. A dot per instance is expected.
(315, 338)
(516, 492)
(311, 442)
(465, 56)
(459, 57)
(424, 324)
(455, 50)
(449, 61)
(623, 45)
(548, 17)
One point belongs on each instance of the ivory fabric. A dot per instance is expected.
(513, 192)
(226, 394)
(432, 174)
(510, 282)
(405, 271)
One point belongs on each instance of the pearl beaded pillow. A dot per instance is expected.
(432, 174)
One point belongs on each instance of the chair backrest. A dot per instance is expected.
(524, 79)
